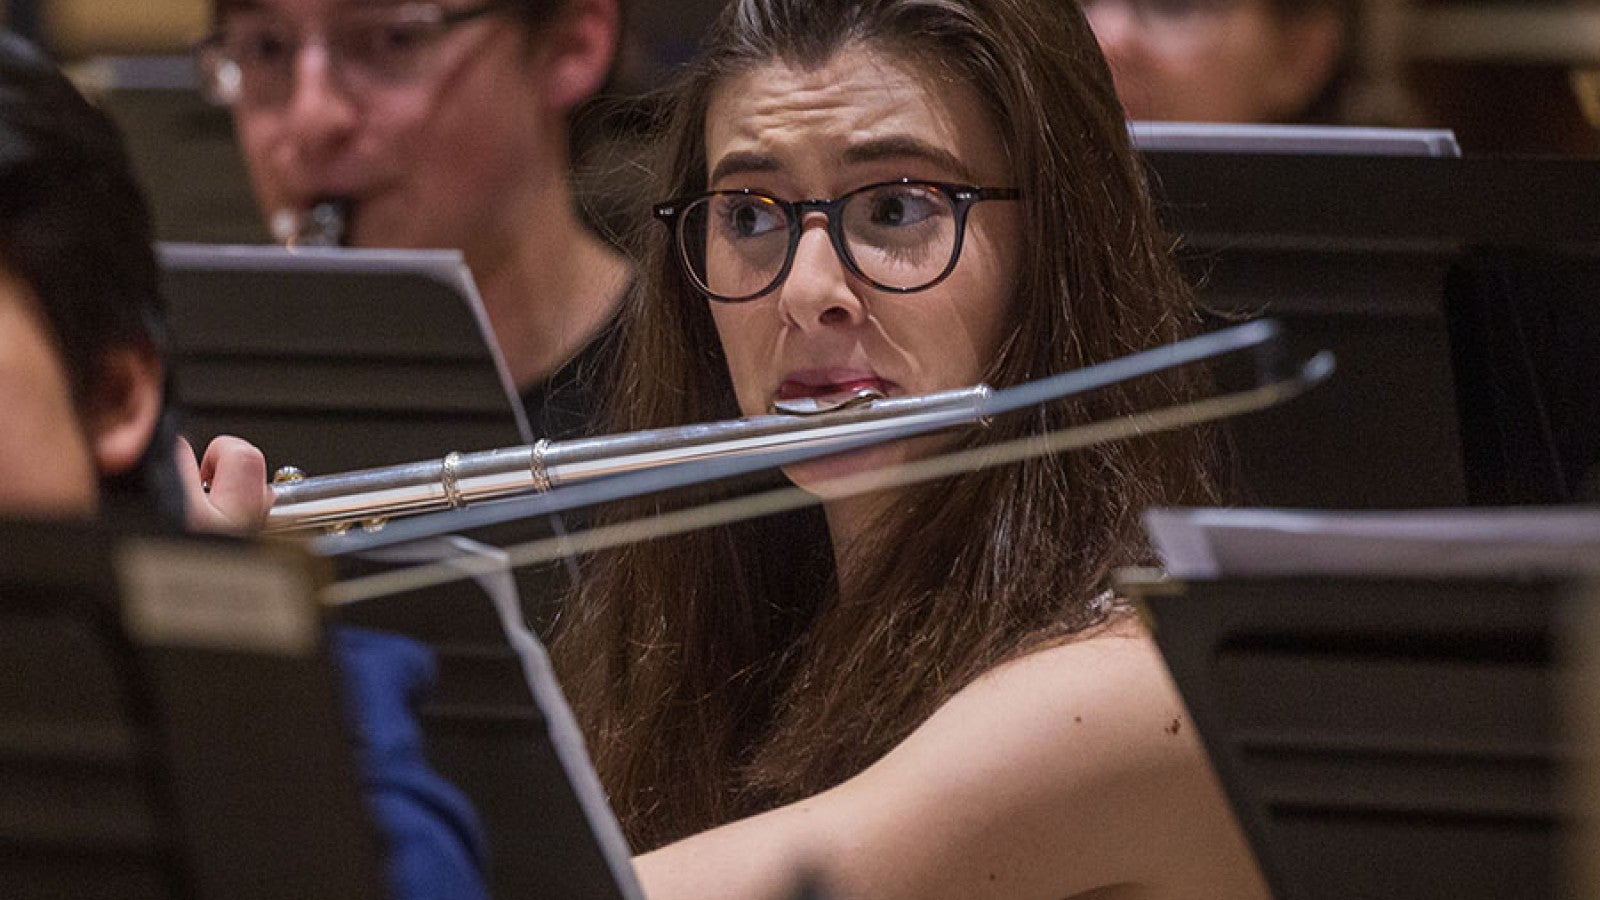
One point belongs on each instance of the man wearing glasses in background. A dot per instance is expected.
(439, 124)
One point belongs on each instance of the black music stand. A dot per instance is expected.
(169, 726)
(342, 359)
(333, 360)
(1392, 732)
(1378, 258)
(1524, 325)
(498, 728)
(1379, 738)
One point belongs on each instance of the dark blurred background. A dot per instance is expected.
(1510, 77)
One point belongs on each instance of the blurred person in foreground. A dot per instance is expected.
(1248, 61)
(82, 382)
(444, 125)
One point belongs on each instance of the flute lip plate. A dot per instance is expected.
(813, 406)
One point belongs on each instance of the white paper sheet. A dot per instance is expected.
(1211, 543)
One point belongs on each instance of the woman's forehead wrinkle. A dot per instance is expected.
(776, 107)
(839, 110)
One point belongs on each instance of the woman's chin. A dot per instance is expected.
(847, 474)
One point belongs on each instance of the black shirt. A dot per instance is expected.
(565, 405)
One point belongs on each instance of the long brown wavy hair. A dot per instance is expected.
(725, 672)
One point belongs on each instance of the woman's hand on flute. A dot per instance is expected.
(226, 491)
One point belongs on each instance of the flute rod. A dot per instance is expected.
(1260, 336)
(1208, 409)
(462, 479)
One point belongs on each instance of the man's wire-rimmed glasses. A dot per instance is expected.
(250, 59)
(899, 236)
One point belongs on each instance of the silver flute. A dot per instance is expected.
(370, 497)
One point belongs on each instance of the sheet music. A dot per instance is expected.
(1212, 543)
(1207, 137)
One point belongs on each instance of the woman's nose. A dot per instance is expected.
(819, 290)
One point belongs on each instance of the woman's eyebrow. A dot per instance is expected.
(876, 150)
(741, 163)
(905, 146)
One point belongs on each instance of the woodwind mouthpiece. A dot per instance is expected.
(812, 406)
(325, 224)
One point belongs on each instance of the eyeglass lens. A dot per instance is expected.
(898, 236)
(256, 54)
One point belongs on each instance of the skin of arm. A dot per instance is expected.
(1072, 771)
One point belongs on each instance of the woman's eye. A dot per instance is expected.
(901, 206)
(749, 218)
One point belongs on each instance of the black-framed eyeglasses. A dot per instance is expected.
(251, 57)
(899, 236)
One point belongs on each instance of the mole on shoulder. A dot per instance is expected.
(1173, 728)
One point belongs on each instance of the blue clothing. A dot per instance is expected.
(434, 847)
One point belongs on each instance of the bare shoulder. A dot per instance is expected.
(1117, 669)
(1077, 713)
(1071, 769)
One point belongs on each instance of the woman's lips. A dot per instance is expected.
(826, 384)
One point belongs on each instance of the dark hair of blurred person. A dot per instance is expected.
(75, 252)
(81, 384)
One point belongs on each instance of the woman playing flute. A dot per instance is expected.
(902, 196)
